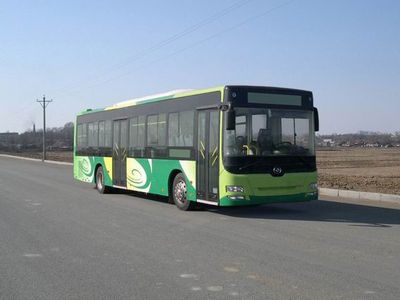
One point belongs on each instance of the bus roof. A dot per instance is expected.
(154, 98)
(175, 94)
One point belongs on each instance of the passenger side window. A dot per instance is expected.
(152, 139)
(81, 136)
(180, 129)
(108, 134)
(173, 129)
(136, 136)
(156, 135)
(101, 134)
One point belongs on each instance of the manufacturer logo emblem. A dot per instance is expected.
(277, 171)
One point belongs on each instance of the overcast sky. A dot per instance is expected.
(89, 54)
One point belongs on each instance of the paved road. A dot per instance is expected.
(61, 239)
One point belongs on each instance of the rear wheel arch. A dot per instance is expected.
(171, 178)
(100, 174)
(95, 171)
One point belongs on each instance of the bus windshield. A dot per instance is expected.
(270, 132)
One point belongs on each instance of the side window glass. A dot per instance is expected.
(141, 134)
(108, 134)
(173, 129)
(84, 136)
(101, 134)
(79, 136)
(180, 129)
(161, 129)
(152, 130)
(90, 135)
(95, 135)
(186, 120)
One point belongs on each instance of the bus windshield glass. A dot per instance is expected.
(270, 132)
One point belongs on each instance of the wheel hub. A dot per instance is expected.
(100, 181)
(180, 192)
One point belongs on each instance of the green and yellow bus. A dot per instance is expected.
(225, 146)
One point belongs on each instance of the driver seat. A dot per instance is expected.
(264, 140)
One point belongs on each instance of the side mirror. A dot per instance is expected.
(230, 119)
(316, 120)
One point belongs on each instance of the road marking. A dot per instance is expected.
(215, 288)
(32, 255)
(369, 292)
(231, 269)
(191, 276)
(235, 294)
(195, 288)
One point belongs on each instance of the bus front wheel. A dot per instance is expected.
(179, 193)
(100, 186)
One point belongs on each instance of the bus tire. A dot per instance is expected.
(100, 186)
(179, 193)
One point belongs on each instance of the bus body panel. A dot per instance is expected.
(265, 188)
(143, 175)
(85, 168)
(152, 175)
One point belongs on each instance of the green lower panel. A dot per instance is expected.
(253, 200)
(85, 166)
(152, 175)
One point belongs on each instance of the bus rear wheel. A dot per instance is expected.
(179, 193)
(100, 186)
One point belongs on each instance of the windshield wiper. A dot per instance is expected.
(250, 164)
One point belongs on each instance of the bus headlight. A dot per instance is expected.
(313, 186)
(236, 197)
(234, 189)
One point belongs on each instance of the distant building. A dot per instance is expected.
(344, 144)
(373, 145)
(328, 143)
(8, 137)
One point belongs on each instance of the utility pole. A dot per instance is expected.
(43, 103)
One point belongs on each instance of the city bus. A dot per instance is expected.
(225, 146)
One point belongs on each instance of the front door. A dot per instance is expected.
(120, 145)
(207, 155)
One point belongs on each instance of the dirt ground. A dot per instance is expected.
(361, 169)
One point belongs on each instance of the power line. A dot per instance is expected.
(187, 31)
(176, 36)
(44, 103)
(252, 18)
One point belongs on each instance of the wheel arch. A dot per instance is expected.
(95, 171)
(171, 178)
